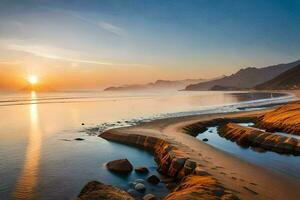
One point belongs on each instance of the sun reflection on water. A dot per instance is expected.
(28, 178)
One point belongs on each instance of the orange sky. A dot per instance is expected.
(93, 45)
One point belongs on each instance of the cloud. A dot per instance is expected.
(103, 25)
(64, 54)
(10, 62)
(111, 28)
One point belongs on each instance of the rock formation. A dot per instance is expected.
(95, 190)
(285, 118)
(175, 163)
(200, 187)
(252, 137)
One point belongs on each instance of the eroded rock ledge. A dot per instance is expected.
(252, 137)
(95, 190)
(194, 182)
(285, 118)
(200, 127)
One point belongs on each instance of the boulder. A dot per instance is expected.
(205, 140)
(95, 190)
(122, 166)
(141, 170)
(140, 187)
(153, 179)
(149, 197)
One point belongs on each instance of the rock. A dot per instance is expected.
(132, 184)
(188, 168)
(82, 124)
(258, 139)
(176, 165)
(153, 179)
(141, 170)
(171, 186)
(79, 139)
(122, 166)
(95, 190)
(140, 187)
(149, 197)
(285, 118)
(205, 140)
(200, 187)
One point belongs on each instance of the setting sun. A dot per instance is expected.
(33, 79)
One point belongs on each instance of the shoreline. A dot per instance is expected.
(235, 174)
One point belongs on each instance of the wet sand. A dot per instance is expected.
(247, 180)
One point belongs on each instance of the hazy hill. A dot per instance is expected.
(245, 78)
(286, 81)
(157, 85)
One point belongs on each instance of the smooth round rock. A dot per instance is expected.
(140, 187)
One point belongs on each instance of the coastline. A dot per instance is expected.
(235, 174)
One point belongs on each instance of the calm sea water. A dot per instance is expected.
(286, 165)
(39, 158)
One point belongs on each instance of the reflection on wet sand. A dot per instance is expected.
(29, 174)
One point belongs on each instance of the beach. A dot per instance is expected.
(40, 126)
(247, 180)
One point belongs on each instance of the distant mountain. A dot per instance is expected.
(288, 80)
(158, 85)
(245, 78)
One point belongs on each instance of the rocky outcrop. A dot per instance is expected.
(200, 187)
(175, 163)
(285, 118)
(122, 166)
(95, 190)
(200, 127)
(252, 137)
(170, 159)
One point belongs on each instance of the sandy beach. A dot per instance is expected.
(247, 180)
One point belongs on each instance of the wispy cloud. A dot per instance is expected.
(63, 54)
(10, 62)
(103, 25)
(111, 28)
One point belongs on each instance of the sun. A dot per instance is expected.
(32, 79)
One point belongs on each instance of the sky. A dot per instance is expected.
(89, 44)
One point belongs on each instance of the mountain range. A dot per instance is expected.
(157, 85)
(245, 78)
(288, 80)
